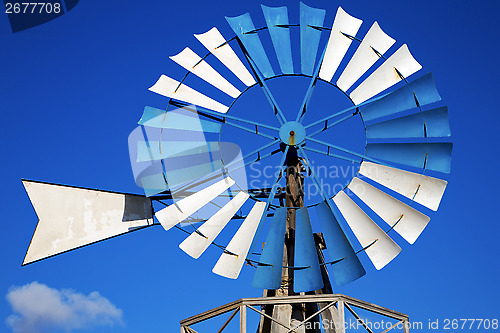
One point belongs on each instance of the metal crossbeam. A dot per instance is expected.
(269, 317)
(393, 326)
(358, 317)
(228, 320)
(312, 316)
(342, 300)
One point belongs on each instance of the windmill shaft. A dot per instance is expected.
(294, 198)
(288, 313)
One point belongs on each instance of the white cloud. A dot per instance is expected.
(38, 308)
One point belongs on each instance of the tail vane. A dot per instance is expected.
(71, 217)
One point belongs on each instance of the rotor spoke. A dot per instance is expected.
(310, 89)
(259, 158)
(270, 98)
(344, 150)
(256, 151)
(315, 179)
(254, 131)
(354, 107)
(213, 114)
(327, 153)
(212, 176)
(270, 199)
(327, 125)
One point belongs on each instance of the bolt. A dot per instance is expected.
(292, 137)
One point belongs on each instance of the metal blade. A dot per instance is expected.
(217, 45)
(199, 241)
(142, 170)
(184, 208)
(169, 87)
(178, 119)
(309, 36)
(422, 89)
(153, 183)
(243, 27)
(308, 278)
(193, 63)
(349, 268)
(425, 190)
(386, 75)
(157, 150)
(277, 22)
(405, 220)
(182, 176)
(178, 157)
(428, 124)
(366, 56)
(429, 156)
(268, 276)
(72, 217)
(380, 248)
(338, 43)
(231, 261)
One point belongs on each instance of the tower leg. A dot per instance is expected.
(286, 313)
(331, 316)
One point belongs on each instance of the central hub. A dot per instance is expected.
(292, 133)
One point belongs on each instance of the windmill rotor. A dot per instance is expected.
(190, 175)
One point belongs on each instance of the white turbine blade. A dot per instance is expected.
(169, 87)
(386, 76)
(196, 244)
(71, 217)
(365, 56)
(383, 249)
(230, 263)
(338, 44)
(216, 44)
(179, 211)
(407, 222)
(193, 63)
(425, 190)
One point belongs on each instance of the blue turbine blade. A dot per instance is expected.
(242, 25)
(338, 247)
(433, 123)
(430, 156)
(157, 150)
(269, 276)
(422, 89)
(280, 36)
(309, 36)
(308, 278)
(177, 119)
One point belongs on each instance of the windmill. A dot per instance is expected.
(180, 161)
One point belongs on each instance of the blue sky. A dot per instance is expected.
(72, 90)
